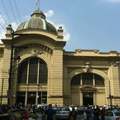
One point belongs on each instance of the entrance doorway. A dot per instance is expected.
(87, 98)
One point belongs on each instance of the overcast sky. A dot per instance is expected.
(88, 24)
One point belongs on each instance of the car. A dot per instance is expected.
(62, 113)
(112, 115)
(4, 116)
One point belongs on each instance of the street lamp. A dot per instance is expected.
(10, 35)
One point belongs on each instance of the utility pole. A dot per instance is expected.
(110, 96)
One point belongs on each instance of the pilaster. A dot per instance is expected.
(114, 83)
(6, 68)
(55, 83)
(5, 73)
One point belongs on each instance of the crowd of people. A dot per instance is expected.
(48, 112)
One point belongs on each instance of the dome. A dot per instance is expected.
(37, 22)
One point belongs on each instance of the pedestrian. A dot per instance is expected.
(89, 113)
(50, 112)
(96, 113)
(25, 115)
(84, 115)
(103, 113)
(73, 114)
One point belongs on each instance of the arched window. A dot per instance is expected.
(99, 81)
(42, 72)
(22, 72)
(32, 71)
(88, 79)
(76, 80)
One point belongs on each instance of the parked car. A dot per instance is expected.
(62, 113)
(4, 116)
(112, 115)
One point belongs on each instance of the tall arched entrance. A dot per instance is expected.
(32, 81)
(86, 88)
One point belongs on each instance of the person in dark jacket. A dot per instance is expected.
(103, 113)
(96, 113)
(50, 112)
(72, 115)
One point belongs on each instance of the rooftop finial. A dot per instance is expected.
(38, 4)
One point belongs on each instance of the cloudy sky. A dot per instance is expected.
(88, 24)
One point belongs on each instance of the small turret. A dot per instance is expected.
(60, 32)
(9, 31)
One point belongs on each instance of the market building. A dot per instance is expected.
(35, 68)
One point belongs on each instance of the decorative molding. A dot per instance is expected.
(115, 63)
(36, 52)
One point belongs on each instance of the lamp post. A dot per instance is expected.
(10, 36)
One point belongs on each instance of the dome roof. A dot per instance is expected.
(38, 22)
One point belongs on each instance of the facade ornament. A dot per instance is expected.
(116, 63)
(60, 32)
(36, 52)
(87, 67)
(9, 31)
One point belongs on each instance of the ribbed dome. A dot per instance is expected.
(37, 21)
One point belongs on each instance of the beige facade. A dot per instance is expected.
(35, 68)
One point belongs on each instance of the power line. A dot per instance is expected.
(2, 22)
(2, 31)
(2, 26)
(13, 12)
(4, 9)
(4, 19)
(16, 9)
